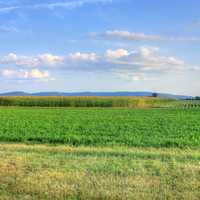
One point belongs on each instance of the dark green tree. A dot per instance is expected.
(155, 94)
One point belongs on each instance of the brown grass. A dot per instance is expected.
(62, 172)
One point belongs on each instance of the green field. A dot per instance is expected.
(102, 127)
(99, 153)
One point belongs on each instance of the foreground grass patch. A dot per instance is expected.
(63, 172)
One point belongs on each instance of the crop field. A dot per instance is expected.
(99, 153)
(130, 102)
(190, 104)
(101, 127)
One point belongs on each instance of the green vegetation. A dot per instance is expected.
(190, 104)
(64, 173)
(116, 153)
(101, 127)
(131, 102)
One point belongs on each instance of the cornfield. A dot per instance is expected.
(131, 102)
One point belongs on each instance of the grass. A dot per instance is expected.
(41, 172)
(101, 127)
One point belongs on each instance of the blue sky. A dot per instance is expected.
(100, 45)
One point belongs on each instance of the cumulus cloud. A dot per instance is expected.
(142, 63)
(83, 56)
(149, 58)
(37, 74)
(119, 53)
(49, 59)
(23, 74)
(12, 58)
(144, 59)
(43, 59)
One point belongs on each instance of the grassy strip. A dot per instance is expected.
(63, 172)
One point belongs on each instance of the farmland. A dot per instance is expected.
(101, 127)
(130, 102)
(113, 153)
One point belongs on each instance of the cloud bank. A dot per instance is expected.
(143, 63)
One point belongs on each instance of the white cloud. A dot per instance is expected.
(67, 4)
(134, 76)
(148, 51)
(145, 63)
(37, 74)
(28, 61)
(8, 73)
(23, 74)
(142, 63)
(8, 9)
(12, 58)
(117, 34)
(195, 68)
(110, 54)
(49, 59)
(144, 59)
(83, 56)
(133, 36)
(150, 59)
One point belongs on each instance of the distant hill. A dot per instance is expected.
(99, 94)
(172, 96)
(16, 93)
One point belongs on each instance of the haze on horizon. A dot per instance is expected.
(100, 45)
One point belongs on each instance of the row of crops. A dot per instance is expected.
(188, 104)
(101, 127)
(131, 102)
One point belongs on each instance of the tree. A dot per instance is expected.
(155, 94)
(197, 98)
